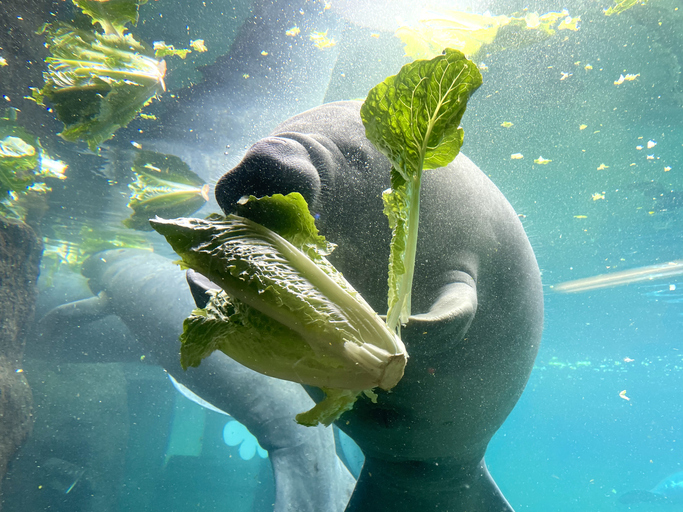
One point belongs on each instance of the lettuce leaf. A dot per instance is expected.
(413, 118)
(285, 310)
(164, 186)
(98, 82)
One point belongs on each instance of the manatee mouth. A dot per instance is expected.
(274, 165)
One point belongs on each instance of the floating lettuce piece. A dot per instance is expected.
(475, 34)
(17, 161)
(413, 118)
(622, 6)
(23, 165)
(19, 154)
(285, 310)
(98, 82)
(164, 186)
(162, 49)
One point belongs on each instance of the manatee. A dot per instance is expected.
(669, 490)
(477, 306)
(149, 293)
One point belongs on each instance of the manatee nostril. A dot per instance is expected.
(274, 165)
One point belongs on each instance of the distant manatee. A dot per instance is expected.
(149, 293)
(669, 490)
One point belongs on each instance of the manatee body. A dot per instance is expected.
(477, 306)
(149, 293)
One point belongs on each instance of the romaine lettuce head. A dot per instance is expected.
(285, 310)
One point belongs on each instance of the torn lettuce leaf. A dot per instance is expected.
(24, 165)
(413, 118)
(164, 186)
(623, 5)
(98, 82)
(285, 310)
(112, 15)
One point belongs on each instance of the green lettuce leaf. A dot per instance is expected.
(97, 83)
(24, 165)
(414, 119)
(164, 186)
(112, 15)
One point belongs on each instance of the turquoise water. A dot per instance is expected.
(603, 410)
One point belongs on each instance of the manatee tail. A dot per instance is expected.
(426, 485)
(633, 497)
(64, 318)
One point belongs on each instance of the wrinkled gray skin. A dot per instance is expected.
(149, 293)
(477, 306)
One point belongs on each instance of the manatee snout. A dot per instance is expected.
(274, 165)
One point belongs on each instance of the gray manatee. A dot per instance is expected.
(477, 306)
(149, 293)
(669, 490)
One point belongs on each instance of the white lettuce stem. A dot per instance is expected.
(400, 311)
(358, 312)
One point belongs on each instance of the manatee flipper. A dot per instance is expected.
(444, 485)
(64, 318)
(451, 313)
(200, 287)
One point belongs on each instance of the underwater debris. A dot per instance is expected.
(507, 124)
(623, 395)
(516, 156)
(321, 40)
(597, 196)
(161, 49)
(198, 45)
(602, 167)
(626, 78)
(542, 161)
(583, 126)
(293, 32)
